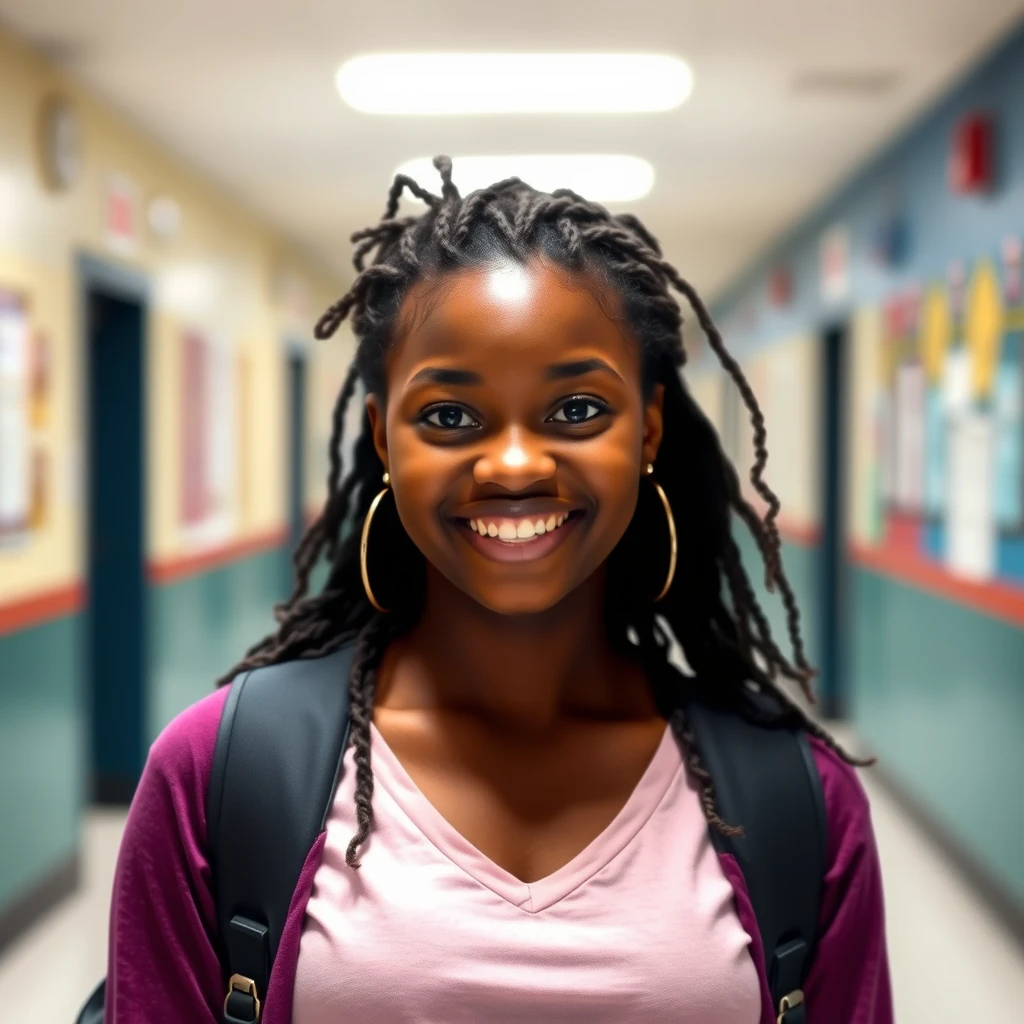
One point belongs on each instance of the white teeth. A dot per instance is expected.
(522, 529)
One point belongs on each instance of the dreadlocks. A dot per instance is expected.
(727, 644)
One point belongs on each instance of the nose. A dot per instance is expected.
(514, 462)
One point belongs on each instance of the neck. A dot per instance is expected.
(523, 672)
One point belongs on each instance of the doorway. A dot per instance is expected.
(833, 605)
(297, 447)
(114, 319)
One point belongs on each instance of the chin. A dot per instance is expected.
(518, 598)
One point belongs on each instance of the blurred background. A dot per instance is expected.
(843, 182)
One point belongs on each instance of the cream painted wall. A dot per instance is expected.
(225, 274)
(784, 377)
(864, 372)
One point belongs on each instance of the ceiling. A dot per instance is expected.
(244, 90)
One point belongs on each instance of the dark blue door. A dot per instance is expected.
(833, 553)
(117, 585)
(297, 446)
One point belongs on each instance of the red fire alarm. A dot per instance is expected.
(971, 164)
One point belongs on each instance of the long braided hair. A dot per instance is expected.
(710, 609)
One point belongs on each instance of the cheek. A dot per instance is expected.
(611, 471)
(421, 482)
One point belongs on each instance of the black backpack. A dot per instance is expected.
(282, 737)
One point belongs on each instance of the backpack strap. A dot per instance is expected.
(282, 737)
(766, 781)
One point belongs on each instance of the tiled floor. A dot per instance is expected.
(950, 962)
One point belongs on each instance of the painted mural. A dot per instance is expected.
(944, 476)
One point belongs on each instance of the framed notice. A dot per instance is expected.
(15, 439)
(971, 548)
(209, 431)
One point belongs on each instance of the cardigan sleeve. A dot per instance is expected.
(162, 963)
(849, 978)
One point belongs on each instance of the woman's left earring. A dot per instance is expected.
(673, 544)
(364, 544)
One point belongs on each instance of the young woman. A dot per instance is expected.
(522, 827)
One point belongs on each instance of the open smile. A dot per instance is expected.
(520, 538)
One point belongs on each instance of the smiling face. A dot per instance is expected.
(515, 430)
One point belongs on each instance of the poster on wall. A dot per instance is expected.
(15, 440)
(1009, 496)
(209, 448)
(909, 438)
(971, 547)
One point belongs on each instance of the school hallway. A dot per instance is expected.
(838, 187)
(951, 961)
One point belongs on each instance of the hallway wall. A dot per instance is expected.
(929, 282)
(245, 292)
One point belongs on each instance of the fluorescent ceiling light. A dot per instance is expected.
(514, 83)
(603, 178)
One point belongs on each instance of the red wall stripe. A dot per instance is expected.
(1000, 600)
(172, 569)
(33, 611)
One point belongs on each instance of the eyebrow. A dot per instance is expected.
(565, 371)
(465, 378)
(442, 375)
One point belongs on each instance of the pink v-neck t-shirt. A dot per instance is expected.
(640, 926)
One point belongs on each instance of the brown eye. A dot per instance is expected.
(579, 410)
(449, 417)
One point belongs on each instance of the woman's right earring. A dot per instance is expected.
(673, 544)
(364, 542)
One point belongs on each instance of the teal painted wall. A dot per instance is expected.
(42, 756)
(201, 625)
(938, 692)
(800, 563)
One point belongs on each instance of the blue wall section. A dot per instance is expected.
(935, 687)
(912, 173)
(42, 759)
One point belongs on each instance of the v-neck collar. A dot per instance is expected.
(531, 897)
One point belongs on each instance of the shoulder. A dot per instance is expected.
(852, 850)
(172, 791)
(846, 802)
(184, 749)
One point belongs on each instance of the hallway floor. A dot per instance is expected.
(950, 961)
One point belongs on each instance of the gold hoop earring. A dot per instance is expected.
(673, 544)
(364, 544)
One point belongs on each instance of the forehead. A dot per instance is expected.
(508, 313)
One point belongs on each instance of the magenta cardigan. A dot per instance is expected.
(163, 968)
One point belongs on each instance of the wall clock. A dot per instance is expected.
(60, 144)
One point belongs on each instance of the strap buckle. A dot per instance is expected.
(246, 987)
(789, 1002)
